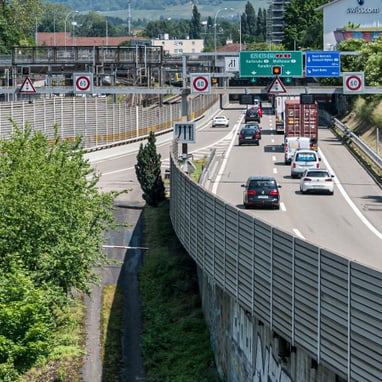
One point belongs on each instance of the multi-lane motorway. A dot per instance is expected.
(348, 223)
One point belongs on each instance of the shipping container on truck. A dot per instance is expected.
(301, 120)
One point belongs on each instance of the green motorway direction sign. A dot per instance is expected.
(269, 63)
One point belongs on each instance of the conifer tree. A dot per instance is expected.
(148, 171)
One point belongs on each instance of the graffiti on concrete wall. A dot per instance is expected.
(268, 368)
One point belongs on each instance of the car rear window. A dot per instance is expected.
(248, 131)
(252, 112)
(262, 184)
(317, 174)
(306, 157)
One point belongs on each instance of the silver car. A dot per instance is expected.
(220, 120)
(317, 180)
(302, 160)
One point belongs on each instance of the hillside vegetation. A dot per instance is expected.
(157, 9)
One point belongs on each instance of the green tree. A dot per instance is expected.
(303, 24)
(148, 171)
(53, 217)
(26, 13)
(28, 319)
(52, 17)
(10, 33)
(248, 20)
(195, 24)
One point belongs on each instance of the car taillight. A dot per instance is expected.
(251, 192)
(257, 136)
(241, 136)
(274, 193)
(286, 148)
(328, 180)
(317, 165)
(294, 165)
(307, 180)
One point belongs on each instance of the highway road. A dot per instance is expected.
(349, 223)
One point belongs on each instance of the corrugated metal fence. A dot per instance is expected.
(316, 300)
(98, 121)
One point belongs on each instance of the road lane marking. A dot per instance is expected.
(348, 200)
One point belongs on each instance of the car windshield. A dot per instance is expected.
(219, 117)
(306, 157)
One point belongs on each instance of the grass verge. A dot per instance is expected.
(65, 362)
(175, 339)
(111, 332)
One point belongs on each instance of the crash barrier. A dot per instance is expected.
(327, 305)
(100, 123)
(371, 154)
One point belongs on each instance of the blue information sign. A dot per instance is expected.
(322, 64)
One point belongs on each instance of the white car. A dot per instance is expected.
(317, 180)
(220, 120)
(302, 160)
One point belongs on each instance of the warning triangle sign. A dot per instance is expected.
(277, 86)
(27, 86)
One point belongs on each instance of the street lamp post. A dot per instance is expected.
(66, 20)
(216, 16)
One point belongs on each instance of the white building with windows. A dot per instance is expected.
(178, 46)
(344, 19)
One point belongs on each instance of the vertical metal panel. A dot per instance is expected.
(263, 271)
(209, 233)
(282, 276)
(220, 240)
(306, 295)
(366, 324)
(334, 308)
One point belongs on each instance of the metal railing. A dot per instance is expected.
(100, 123)
(371, 154)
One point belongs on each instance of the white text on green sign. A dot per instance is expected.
(260, 63)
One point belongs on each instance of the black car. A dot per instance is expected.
(252, 114)
(253, 125)
(261, 192)
(249, 136)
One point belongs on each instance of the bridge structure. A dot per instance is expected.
(133, 70)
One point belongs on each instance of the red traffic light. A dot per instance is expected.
(277, 70)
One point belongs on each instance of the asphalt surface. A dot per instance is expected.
(128, 209)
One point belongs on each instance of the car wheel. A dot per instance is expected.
(245, 206)
(331, 193)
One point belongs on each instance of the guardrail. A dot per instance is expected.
(371, 154)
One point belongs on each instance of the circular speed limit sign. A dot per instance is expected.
(200, 83)
(83, 82)
(353, 83)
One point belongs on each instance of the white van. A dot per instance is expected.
(292, 144)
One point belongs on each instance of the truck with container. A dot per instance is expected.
(300, 121)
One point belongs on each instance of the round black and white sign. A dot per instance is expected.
(200, 84)
(353, 82)
(83, 83)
